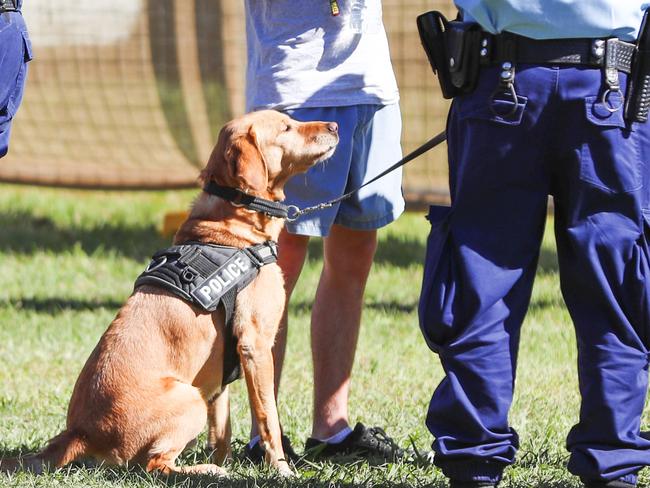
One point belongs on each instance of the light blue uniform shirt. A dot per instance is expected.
(557, 19)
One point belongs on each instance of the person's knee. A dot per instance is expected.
(350, 253)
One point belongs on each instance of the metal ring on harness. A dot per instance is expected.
(293, 212)
(163, 260)
(606, 102)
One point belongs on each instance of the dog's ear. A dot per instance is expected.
(237, 161)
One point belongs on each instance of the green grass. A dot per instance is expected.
(68, 259)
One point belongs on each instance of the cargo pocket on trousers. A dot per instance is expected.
(501, 110)
(609, 156)
(438, 287)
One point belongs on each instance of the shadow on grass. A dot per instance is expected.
(236, 480)
(55, 305)
(544, 304)
(239, 475)
(24, 233)
(548, 263)
(396, 251)
(313, 475)
(392, 306)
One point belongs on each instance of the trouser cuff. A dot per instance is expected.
(626, 481)
(470, 469)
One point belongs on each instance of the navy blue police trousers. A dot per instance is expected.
(15, 53)
(482, 254)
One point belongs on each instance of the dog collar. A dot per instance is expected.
(241, 199)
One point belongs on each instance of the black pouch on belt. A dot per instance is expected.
(453, 49)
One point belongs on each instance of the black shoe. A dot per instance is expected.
(366, 442)
(608, 484)
(255, 454)
(471, 484)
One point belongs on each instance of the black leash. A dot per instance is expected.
(295, 212)
(292, 212)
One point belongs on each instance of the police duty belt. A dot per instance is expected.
(209, 275)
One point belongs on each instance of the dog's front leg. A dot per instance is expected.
(257, 361)
(219, 431)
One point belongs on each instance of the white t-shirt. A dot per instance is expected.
(300, 55)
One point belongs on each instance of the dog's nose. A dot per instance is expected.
(333, 127)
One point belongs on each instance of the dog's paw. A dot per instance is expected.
(205, 469)
(285, 470)
(218, 471)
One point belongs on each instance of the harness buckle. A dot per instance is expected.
(188, 275)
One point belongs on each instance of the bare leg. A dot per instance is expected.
(292, 253)
(336, 318)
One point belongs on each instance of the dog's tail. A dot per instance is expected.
(64, 448)
(61, 450)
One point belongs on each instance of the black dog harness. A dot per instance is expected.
(208, 275)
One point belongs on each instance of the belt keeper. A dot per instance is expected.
(507, 54)
(611, 75)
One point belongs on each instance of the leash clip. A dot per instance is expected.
(293, 212)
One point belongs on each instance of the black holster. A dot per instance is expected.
(453, 49)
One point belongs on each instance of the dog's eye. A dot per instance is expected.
(287, 128)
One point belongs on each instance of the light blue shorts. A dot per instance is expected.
(369, 143)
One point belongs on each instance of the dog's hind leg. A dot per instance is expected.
(257, 362)
(219, 431)
(182, 416)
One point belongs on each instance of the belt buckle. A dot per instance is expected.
(8, 6)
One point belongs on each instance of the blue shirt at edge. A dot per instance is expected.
(558, 19)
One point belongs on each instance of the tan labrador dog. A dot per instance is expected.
(142, 394)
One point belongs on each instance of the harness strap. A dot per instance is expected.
(262, 254)
(231, 365)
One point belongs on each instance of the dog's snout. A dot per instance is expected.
(333, 127)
